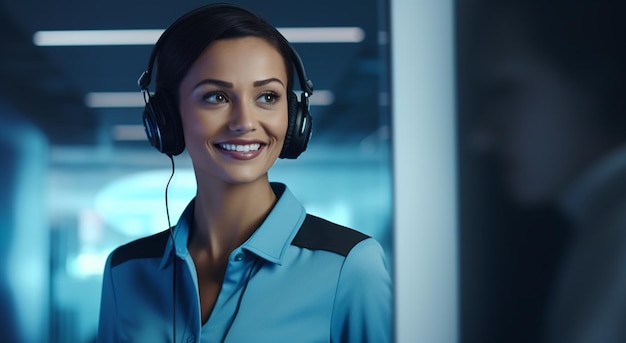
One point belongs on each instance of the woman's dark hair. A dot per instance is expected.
(185, 40)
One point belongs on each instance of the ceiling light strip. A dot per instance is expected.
(114, 100)
(96, 37)
(129, 133)
(149, 37)
(323, 34)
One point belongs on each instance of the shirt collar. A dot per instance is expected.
(269, 241)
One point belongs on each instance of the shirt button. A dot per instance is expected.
(239, 257)
(191, 339)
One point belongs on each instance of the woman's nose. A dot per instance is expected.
(241, 118)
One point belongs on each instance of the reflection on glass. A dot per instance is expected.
(544, 105)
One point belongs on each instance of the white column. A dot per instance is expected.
(424, 164)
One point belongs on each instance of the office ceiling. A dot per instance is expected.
(48, 84)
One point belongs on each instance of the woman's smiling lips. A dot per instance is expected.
(240, 150)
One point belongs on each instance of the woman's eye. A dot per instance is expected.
(269, 97)
(215, 97)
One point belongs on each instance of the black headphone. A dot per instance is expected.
(161, 117)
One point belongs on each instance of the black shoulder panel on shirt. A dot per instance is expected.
(147, 247)
(319, 234)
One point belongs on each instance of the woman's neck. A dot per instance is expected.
(226, 215)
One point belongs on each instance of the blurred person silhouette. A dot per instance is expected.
(24, 258)
(553, 117)
(245, 262)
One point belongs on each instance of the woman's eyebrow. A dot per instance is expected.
(266, 81)
(214, 82)
(230, 85)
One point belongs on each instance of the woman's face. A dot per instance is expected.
(233, 105)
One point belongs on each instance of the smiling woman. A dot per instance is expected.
(245, 259)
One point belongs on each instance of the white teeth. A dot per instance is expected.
(240, 148)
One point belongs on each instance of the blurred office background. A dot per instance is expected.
(80, 178)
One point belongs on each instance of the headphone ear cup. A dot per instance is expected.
(162, 124)
(298, 129)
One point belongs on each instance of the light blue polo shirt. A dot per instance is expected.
(298, 278)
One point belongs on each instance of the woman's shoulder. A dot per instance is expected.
(151, 246)
(320, 234)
